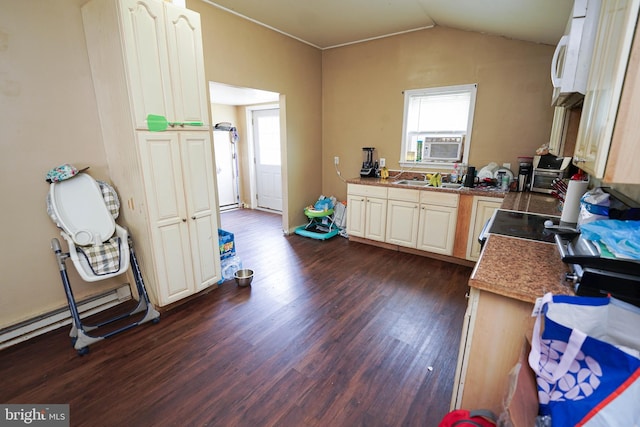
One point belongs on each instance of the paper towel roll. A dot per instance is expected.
(571, 207)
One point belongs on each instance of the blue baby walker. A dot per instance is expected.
(321, 224)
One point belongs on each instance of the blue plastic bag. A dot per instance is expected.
(622, 238)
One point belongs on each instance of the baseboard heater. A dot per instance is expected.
(53, 320)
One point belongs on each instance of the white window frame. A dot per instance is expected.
(408, 94)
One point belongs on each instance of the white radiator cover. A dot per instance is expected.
(57, 318)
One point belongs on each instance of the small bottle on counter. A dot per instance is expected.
(505, 182)
(453, 176)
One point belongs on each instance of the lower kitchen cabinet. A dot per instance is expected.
(437, 225)
(439, 222)
(367, 211)
(493, 336)
(424, 220)
(483, 208)
(177, 168)
(402, 217)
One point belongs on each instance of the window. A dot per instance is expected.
(436, 130)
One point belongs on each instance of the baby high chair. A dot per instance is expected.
(85, 210)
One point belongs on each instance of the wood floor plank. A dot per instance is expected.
(330, 332)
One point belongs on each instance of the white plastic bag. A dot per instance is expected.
(594, 205)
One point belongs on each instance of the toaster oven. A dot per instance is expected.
(546, 169)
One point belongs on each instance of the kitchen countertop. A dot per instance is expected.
(518, 268)
(475, 191)
(538, 203)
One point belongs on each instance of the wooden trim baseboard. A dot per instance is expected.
(451, 259)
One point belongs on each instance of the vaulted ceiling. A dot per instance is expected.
(331, 23)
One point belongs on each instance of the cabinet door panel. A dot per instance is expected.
(483, 208)
(402, 223)
(173, 266)
(615, 33)
(356, 212)
(437, 229)
(184, 41)
(164, 188)
(197, 161)
(147, 60)
(160, 156)
(376, 219)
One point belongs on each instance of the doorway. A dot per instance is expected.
(257, 182)
(268, 166)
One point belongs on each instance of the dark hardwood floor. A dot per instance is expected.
(331, 333)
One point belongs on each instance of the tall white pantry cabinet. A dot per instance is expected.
(146, 58)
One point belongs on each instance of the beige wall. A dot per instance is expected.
(48, 117)
(240, 53)
(362, 88)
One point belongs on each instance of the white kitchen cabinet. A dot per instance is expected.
(367, 211)
(162, 46)
(146, 58)
(616, 28)
(182, 211)
(402, 217)
(622, 163)
(437, 225)
(483, 208)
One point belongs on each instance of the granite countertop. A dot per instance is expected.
(527, 201)
(391, 182)
(518, 268)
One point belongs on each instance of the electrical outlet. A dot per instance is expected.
(507, 165)
(336, 160)
(383, 162)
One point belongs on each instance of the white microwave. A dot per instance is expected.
(572, 58)
(442, 148)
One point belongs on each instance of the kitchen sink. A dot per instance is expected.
(416, 183)
(413, 183)
(452, 185)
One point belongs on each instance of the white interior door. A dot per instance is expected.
(266, 136)
(226, 171)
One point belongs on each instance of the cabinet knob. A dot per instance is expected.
(184, 219)
(193, 217)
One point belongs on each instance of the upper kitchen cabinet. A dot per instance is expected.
(161, 45)
(605, 114)
(622, 164)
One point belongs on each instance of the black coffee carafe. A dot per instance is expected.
(470, 178)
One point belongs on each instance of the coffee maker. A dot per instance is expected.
(369, 166)
(524, 173)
